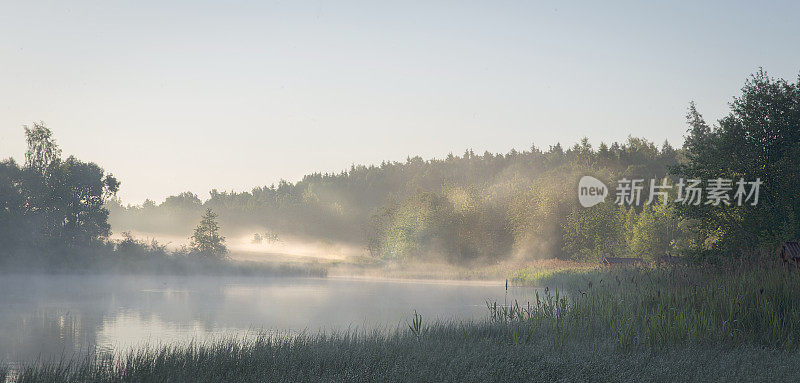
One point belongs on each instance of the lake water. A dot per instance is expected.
(47, 317)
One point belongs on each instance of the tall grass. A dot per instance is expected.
(657, 307)
(648, 324)
(444, 352)
(539, 274)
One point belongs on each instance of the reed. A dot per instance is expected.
(647, 324)
(448, 352)
(657, 307)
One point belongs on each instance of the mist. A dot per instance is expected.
(376, 192)
(50, 317)
(459, 211)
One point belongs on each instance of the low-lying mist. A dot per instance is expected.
(462, 211)
(254, 245)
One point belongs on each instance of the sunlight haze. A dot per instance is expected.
(233, 95)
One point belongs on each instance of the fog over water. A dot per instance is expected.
(46, 316)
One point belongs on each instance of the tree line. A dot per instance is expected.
(464, 208)
(488, 207)
(53, 214)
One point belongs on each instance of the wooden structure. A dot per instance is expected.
(789, 253)
(616, 261)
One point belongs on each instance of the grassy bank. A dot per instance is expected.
(648, 324)
(441, 352)
(499, 271)
(540, 273)
(657, 307)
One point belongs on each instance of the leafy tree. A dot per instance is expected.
(50, 204)
(759, 138)
(420, 225)
(12, 215)
(206, 240)
(78, 191)
(186, 201)
(461, 208)
(655, 232)
(593, 233)
(42, 149)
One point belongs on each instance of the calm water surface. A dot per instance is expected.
(46, 317)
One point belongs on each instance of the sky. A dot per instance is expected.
(173, 96)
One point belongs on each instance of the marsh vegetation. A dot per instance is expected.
(684, 324)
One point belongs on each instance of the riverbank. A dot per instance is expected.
(440, 353)
(500, 271)
(642, 324)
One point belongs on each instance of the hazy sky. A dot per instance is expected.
(174, 96)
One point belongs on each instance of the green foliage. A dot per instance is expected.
(656, 233)
(416, 225)
(595, 233)
(759, 138)
(184, 201)
(42, 149)
(608, 230)
(537, 213)
(540, 275)
(53, 218)
(131, 247)
(667, 307)
(494, 206)
(52, 205)
(416, 325)
(461, 209)
(459, 224)
(206, 240)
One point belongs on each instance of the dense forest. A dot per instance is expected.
(463, 208)
(52, 217)
(491, 207)
(51, 208)
(460, 209)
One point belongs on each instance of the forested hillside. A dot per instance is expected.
(489, 207)
(461, 207)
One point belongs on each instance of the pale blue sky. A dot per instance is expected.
(194, 95)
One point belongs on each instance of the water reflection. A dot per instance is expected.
(46, 317)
